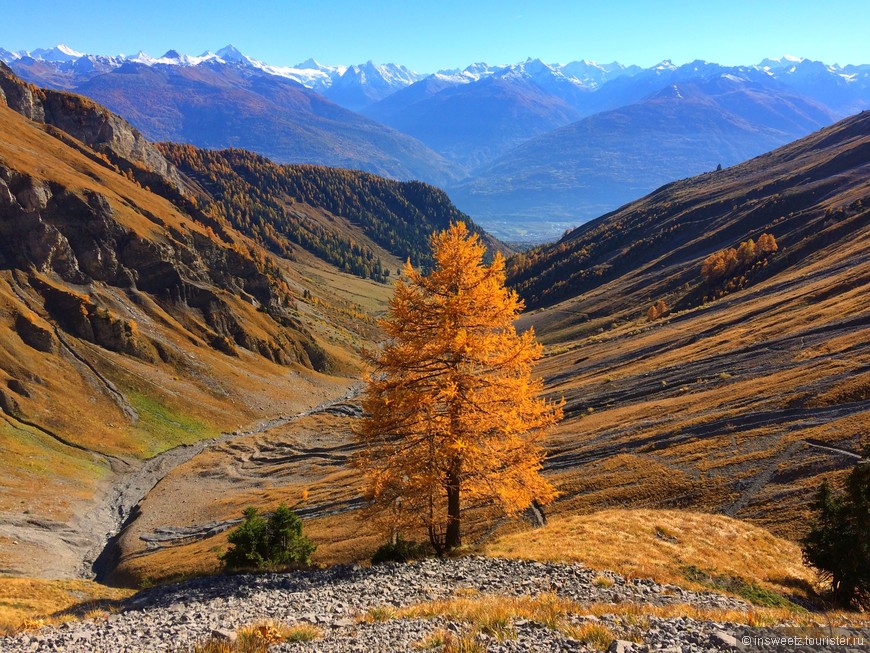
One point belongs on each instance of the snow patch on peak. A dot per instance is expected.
(231, 53)
(536, 67)
(6, 56)
(782, 63)
(312, 64)
(58, 54)
(68, 51)
(141, 57)
(390, 74)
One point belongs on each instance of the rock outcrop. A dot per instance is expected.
(94, 125)
(50, 227)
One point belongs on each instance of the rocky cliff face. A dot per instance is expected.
(54, 228)
(93, 125)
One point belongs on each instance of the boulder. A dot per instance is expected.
(224, 635)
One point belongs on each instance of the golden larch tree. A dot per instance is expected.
(766, 245)
(452, 413)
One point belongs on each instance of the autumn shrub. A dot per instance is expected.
(262, 543)
(657, 310)
(766, 245)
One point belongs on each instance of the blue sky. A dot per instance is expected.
(430, 35)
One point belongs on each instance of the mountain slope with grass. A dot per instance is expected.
(133, 325)
(739, 392)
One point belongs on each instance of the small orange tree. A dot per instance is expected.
(452, 413)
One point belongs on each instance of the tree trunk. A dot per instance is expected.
(453, 536)
(436, 540)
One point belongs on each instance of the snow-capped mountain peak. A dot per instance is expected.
(59, 54)
(784, 63)
(312, 64)
(665, 64)
(231, 53)
(7, 57)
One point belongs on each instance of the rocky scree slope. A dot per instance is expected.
(175, 617)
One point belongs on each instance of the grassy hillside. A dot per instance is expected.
(728, 402)
(679, 547)
(808, 194)
(128, 327)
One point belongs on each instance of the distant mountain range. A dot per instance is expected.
(587, 168)
(352, 86)
(528, 149)
(218, 102)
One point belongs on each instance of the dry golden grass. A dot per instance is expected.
(659, 544)
(488, 614)
(259, 637)
(302, 633)
(494, 615)
(445, 641)
(638, 614)
(27, 603)
(596, 636)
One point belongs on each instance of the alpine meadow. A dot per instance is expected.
(547, 328)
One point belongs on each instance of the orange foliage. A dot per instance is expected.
(766, 245)
(657, 310)
(452, 411)
(724, 263)
(746, 252)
